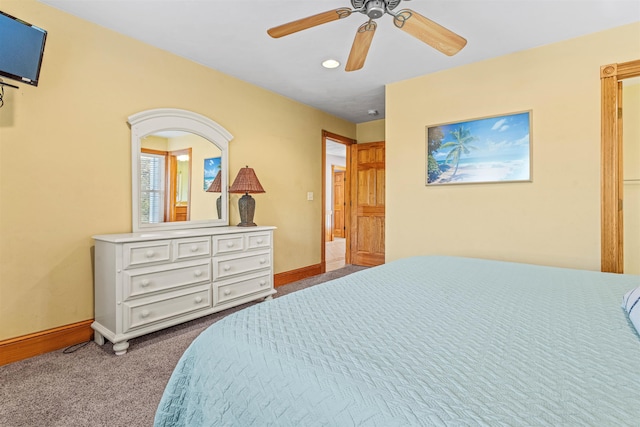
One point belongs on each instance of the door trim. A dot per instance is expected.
(611, 255)
(347, 197)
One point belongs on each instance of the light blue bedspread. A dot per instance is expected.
(433, 341)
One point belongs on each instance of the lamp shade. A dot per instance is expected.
(246, 182)
(216, 185)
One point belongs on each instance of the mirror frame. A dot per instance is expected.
(163, 119)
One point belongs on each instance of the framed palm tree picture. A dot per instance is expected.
(489, 149)
(211, 169)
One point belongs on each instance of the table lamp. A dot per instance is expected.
(246, 182)
(216, 187)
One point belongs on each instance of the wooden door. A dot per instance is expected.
(339, 179)
(368, 195)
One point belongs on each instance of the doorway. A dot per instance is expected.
(612, 178)
(630, 104)
(179, 190)
(335, 251)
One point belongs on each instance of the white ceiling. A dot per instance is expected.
(230, 36)
(335, 149)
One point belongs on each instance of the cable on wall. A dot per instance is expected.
(2, 85)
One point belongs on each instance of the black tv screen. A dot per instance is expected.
(21, 49)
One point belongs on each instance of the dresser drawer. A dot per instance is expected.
(142, 312)
(231, 265)
(191, 248)
(228, 244)
(147, 280)
(259, 240)
(146, 253)
(231, 290)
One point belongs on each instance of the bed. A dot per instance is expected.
(433, 341)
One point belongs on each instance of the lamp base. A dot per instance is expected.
(247, 207)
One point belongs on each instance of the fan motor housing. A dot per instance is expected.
(390, 4)
(375, 9)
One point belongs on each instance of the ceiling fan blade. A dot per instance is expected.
(308, 22)
(431, 33)
(360, 46)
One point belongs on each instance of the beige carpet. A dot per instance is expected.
(93, 387)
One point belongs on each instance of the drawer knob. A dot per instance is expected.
(144, 283)
(227, 292)
(263, 260)
(194, 248)
(259, 240)
(198, 300)
(145, 314)
(197, 273)
(227, 267)
(149, 253)
(263, 282)
(229, 244)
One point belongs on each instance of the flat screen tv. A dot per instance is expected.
(21, 49)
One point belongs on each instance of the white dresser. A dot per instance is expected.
(145, 282)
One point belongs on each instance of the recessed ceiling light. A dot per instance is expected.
(330, 63)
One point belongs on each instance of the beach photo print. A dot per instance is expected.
(491, 149)
(211, 169)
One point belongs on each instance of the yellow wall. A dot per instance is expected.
(631, 171)
(554, 220)
(372, 131)
(65, 160)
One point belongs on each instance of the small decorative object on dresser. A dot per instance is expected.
(145, 282)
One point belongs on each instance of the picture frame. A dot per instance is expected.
(493, 149)
(211, 168)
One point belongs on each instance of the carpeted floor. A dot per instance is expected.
(93, 387)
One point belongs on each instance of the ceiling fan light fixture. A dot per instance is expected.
(409, 21)
(330, 64)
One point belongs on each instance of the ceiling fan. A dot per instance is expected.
(409, 21)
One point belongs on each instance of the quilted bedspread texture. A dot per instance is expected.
(422, 341)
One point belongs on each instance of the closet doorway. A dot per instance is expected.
(336, 184)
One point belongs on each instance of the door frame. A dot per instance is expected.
(347, 196)
(611, 184)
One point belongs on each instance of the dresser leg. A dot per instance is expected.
(98, 338)
(120, 347)
(269, 298)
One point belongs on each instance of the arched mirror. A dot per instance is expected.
(175, 157)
